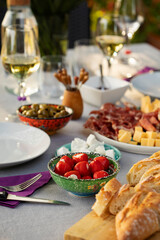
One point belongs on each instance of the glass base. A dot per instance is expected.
(15, 91)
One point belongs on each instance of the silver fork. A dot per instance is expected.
(20, 187)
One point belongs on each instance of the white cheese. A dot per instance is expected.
(62, 150)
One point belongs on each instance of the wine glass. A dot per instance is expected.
(130, 17)
(108, 37)
(20, 55)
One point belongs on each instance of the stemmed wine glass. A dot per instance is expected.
(20, 55)
(108, 37)
(130, 17)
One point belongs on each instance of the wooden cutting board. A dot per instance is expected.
(92, 227)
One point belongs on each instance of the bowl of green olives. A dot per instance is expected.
(48, 117)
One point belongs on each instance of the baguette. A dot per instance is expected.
(126, 192)
(138, 169)
(139, 219)
(120, 198)
(104, 196)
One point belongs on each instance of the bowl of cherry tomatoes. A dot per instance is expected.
(82, 173)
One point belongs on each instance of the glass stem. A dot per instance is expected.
(109, 66)
(22, 88)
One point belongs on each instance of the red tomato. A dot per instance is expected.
(79, 157)
(86, 177)
(100, 174)
(82, 168)
(104, 161)
(72, 174)
(95, 166)
(62, 167)
(67, 160)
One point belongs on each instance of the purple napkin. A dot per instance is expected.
(14, 180)
(144, 70)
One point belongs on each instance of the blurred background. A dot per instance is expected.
(62, 22)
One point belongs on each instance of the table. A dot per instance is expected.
(40, 222)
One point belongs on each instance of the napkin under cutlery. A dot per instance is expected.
(14, 180)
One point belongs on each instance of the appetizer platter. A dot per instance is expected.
(128, 128)
(128, 211)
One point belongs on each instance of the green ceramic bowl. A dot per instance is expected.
(81, 187)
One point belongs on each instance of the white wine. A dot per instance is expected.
(110, 44)
(21, 66)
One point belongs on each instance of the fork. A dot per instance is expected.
(20, 187)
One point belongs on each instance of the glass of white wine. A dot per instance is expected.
(20, 55)
(131, 17)
(109, 38)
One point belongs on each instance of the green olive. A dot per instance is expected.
(57, 115)
(51, 112)
(53, 108)
(24, 112)
(60, 108)
(30, 113)
(64, 113)
(25, 108)
(35, 107)
(43, 106)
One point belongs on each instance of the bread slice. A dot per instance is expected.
(120, 198)
(138, 169)
(150, 179)
(104, 196)
(153, 171)
(139, 219)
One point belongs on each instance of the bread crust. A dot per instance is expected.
(120, 198)
(138, 169)
(139, 219)
(104, 196)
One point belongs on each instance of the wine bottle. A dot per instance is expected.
(19, 12)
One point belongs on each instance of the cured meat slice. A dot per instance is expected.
(110, 118)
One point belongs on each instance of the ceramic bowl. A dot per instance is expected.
(49, 125)
(81, 187)
(94, 96)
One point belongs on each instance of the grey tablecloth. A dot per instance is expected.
(37, 221)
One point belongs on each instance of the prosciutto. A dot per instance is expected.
(110, 118)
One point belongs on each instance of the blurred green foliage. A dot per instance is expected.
(52, 17)
(151, 10)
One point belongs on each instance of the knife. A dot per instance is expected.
(7, 196)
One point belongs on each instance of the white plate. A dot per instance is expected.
(20, 143)
(127, 147)
(148, 83)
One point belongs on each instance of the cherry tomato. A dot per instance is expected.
(72, 174)
(79, 157)
(100, 174)
(62, 167)
(67, 160)
(95, 166)
(82, 168)
(86, 177)
(103, 160)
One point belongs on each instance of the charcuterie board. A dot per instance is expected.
(92, 227)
